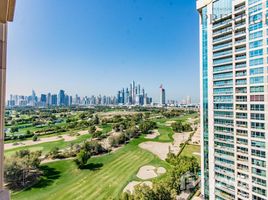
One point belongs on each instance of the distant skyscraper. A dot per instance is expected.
(127, 96)
(54, 100)
(66, 100)
(133, 92)
(61, 98)
(48, 99)
(162, 96)
(43, 99)
(123, 96)
(34, 100)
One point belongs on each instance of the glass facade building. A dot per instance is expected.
(234, 98)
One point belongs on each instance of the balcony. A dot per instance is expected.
(222, 46)
(240, 65)
(219, 39)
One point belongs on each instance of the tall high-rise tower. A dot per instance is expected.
(61, 98)
(162, 96)
(34, 99)
(234, 99)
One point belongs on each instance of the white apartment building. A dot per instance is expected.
(234, 98)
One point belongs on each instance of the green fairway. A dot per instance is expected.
(192, 150)
(47, 146)
(106, 177)
(165, 134)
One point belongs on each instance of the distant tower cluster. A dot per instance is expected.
(133, 95)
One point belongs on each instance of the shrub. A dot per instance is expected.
(82, 158)
(35, 137)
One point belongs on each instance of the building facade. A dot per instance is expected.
(234, 97)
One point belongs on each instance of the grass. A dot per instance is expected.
(106, 128)
(165, 134)
(182, 118)
(192, 150)
(105, 177)
(47, 146)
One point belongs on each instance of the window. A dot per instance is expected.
(257, 107)
(223, 91)
(255, 26)
(259, 191)
(256, 62)
(258, 153)
(257, 98)
(250, 2)
(255, 44)
(256, 71)
(223, 83)
(257, 134)
(255, 9)
(259, 181)
(258, 52)
(258, 144)
(257, 116)
(257, 125)
(256, 80)
(255, 18)
(223, 98)
(256, 89)
(258, 162)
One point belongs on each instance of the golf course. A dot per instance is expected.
(104, 176)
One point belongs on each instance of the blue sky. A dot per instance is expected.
(99, 46)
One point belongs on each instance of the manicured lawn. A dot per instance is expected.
(105, 177)
(46, 147)
(192, 150)
(165, 134)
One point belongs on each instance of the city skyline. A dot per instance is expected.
(139, 43)
(134, 95)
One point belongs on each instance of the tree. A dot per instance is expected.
(146, 126)
(54, 152)
(35, 137)
(22, 169)
(93, 147)
(92, 129)
(96, 120)
(14, 129)
(180, 127)
(177, 126)
(28, 132)
(82, 158)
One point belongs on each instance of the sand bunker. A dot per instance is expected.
(131, 186)
(168, 123)
(149, 172)
(162, 149)
(161, 170)
(152, 135)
